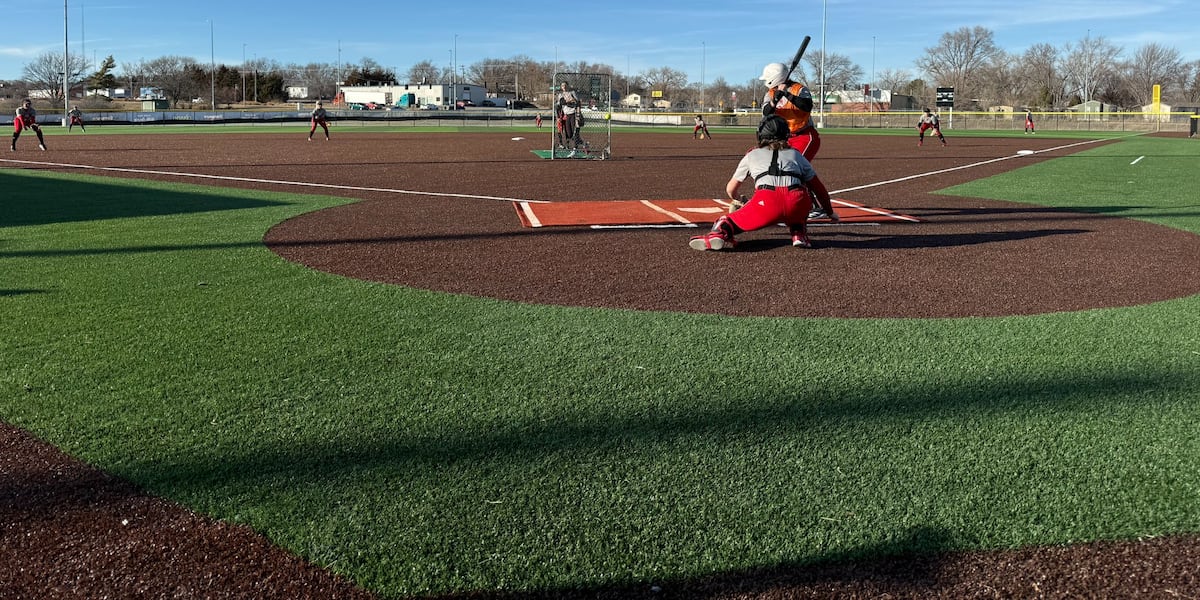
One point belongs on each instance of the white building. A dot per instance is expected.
(414, 94)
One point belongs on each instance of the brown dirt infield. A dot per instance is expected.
(68, 531)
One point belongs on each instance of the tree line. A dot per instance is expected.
(1043, 77)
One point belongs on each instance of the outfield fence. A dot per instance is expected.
(1181, 122)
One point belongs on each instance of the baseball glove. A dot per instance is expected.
(736, 204)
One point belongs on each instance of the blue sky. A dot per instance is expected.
(730, 39)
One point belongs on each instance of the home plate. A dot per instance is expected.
(670, 213)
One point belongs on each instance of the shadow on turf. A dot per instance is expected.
(898, 568)
(415, 457)
(42, 200)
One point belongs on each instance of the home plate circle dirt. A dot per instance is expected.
(967, 257)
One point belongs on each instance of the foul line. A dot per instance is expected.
(328, 186)
(961, 167)
(355, 188)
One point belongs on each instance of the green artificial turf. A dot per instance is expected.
(422, 442)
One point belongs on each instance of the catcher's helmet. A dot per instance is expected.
(772, 128)
(774, 74)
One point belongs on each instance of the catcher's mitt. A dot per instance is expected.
(736, 204)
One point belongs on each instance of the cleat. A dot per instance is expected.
(819, 213)
(42, 146)
(713, 240)
(800, 240)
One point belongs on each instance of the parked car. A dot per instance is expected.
(431, 107)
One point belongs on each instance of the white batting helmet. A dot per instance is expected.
(774, 74)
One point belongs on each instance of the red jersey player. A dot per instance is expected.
(26, 119)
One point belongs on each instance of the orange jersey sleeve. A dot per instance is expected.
(797, 118)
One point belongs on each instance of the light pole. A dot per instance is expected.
(1087, 42)
(824, 13)
(243, 73)
(454, 71)
(212, 64)
(256, 77)
(66, 69)
(703, 58)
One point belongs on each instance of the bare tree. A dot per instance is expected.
(132, 74)
(1152, 64)
(1089, 64)
(175, 76)
(893, 79)
(498, 75)
(321, 79)
(751, 93)
(958, 59)
(718, 93)
(840, 72)
(1001, 82)
(1189, 83)
(424, 72)
(45, 73)
(1039, 66)
(664, 79)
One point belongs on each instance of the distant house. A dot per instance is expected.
(1091, 106)
(114, 93)
(860, 101)
(632, 101)
(406, 95)
(1160, 113)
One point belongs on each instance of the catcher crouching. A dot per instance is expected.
(785, 186)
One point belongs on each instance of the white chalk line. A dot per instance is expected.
(331, 186)
(666, 212)
(961, 167)
(1137, 160)
(327, 186)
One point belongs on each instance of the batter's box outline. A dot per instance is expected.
(600, 214)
